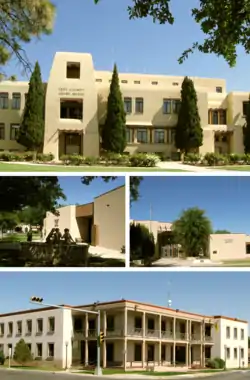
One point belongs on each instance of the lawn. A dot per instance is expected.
(242, 168)
(237, 263)
(149, 373)
(57, 168)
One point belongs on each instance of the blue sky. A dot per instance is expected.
(205, 293)
(106, 32)
(76, 192)
(225, 200)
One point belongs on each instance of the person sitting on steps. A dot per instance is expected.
(67, 237)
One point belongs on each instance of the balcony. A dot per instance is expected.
(92, 334)
(208, 339)
(152, 334)
(79, 334)
(135, 332)
(167, 335)
(195, 338)
(181, 336)
(114, 333)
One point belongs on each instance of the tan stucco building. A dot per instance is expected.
(76, 99)
(100, 223)
(222, 247)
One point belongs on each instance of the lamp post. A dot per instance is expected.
(66, 364)
(39, 301)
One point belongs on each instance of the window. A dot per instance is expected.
(19, 327)
(127, 105)
(245, 107)
(129, 135)
(28, 327)
(14, 128)
(137, 82)
(163, 353)
(151, 324)
(142, 136)
(159, 136)
(166, 106)
(51, 350)
(248, 249)
(73, 70)
(235, 333)
(228, 332)
(4, 100)
(176, 104)
(124, 81)
(16, 101)
(98, 80)
(138, 323)
(39, 326)
(2, 131)
(138, 352)
(92, 324)
(242, 335)
(110, 323)
(175, 84)
(154, 83)
(1, 329)
(10, 328)
(51, 324)
(242, 353)
(163, 325)
(39, 350)
(71, 109)
(139, 105)
(218, 89)
(228, 352)
(235, 353)
(217, 116)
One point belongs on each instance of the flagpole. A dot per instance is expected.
(150, 218)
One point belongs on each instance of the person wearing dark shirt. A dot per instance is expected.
(67, 237)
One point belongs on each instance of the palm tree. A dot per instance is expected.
(192, 231)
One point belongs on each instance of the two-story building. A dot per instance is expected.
(137, 335)
(76, 101)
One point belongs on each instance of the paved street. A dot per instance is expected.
(32, 375)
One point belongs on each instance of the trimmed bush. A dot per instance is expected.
(215, 159)
(2, 358)
(22, 353)
(192, 158)
(91, 161)
(45, 157)
(144, 160)
(216, 363)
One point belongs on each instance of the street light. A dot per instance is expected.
(100, 337)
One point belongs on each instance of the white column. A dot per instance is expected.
(174, 345)
(201, 340)
(125, 333)
(125, 354)
(159, 326)
(104, 344)
(125, 323)
(187, 352)
(144, 324)
(86, 339)
(143, 352)
(159, 353)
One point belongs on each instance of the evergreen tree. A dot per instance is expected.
(246, 129)
(31, 133)
(189, 134)
(22, 353)
(114, 130)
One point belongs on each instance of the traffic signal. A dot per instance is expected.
(36, 299)
(101, 337)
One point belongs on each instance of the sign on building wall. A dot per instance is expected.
(64, 91)
(228, 241)
(56, 222)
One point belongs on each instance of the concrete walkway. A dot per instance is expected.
(106, 253)
(169, 262)
(172, 165)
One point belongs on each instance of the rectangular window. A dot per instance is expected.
(228, 352)
(128, 105)
(139, 105)
(228, 332)
(242, 353)
(10, 328)
(39, 350)
(235, 353)
(71, 109)
(163, 325)
(110, 323)
(223, 117)
(129, 135)
(29, 327)
(166, 106)
(1, 329)
(14, 128)
(19, 328)
(138, 323)
(4, 100)
(51, 326)
(78, 324)
(142, 136)
(159, 136)
(245, 107)
(219, 89)
(235, 333)
(138, 352)
(73, 70)
(176, 104)
(247, 248)
(51, 350)
(92, 324)
(242, 335)
(16, 101)
(39, 326)
(215, 117)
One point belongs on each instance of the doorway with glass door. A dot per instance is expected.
(73, 143)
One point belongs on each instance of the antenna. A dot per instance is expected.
(169, 296)
(150, 218)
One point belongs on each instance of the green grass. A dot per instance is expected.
(57, 168)
(237, 263)
(149, 373)
(243, 168)
(32, 368)
(14, 238)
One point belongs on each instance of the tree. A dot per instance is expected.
(31, 132)
(20, 21)
(33, 215)
(188, 132)
(8, 220)
(134, 184)
(222, 232)
(22, 353)
(226, 24)
(192, 231)
(246, 129)
(114, 130)
(142, 244)
(29, 191)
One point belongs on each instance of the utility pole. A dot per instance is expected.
(39, 301)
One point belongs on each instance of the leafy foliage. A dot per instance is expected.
(188, 133)
(192, 231)
(20, 21)
(220, 232)
(22, 353)
(246, 130)
(31, 132)
(142, 244)
(225, 24)
(2, 358)
(8, 220)
(114, 131)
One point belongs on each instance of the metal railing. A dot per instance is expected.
(181, 336)
(135, 332)
(167, 335)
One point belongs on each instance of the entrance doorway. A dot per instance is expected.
(110, 353)
(180, 355)
(70, 143)
(82, 351)
(92, 348)
(150, 353)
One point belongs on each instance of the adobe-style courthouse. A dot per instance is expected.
(76, 98)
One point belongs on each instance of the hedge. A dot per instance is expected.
(216, 159)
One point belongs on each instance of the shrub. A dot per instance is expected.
(143, 160)
(91, 160)
(246, 159)
(2, 358)
(213, 159)
(221, 363)
(192, 158)
(65, 159)
(22, 353)
(235, 158)
(142, 244)
(115, 159)
(216, 363)
(45, 157)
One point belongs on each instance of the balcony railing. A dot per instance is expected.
(181, 336)
(152, 333)
(79, 334)
(208, 339)
(114, 332)
(167, 335)
(92, 333)
(135, 332)
(196, 338)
